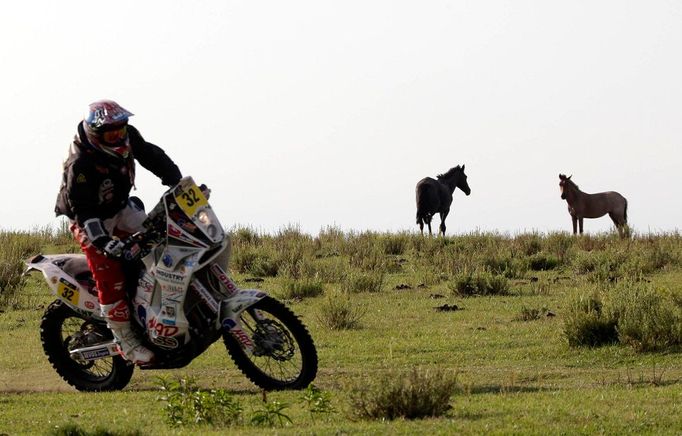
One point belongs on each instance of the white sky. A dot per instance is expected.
(318, 113)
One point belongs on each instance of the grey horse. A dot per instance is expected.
(583, 205)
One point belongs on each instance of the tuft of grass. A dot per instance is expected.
(531, 313)
(15, 247)
(339, 311)
(587, 323)
(418, 394)
(255, 261)
(363, 282)
(300, 289)
(479, 283)
(543, 262)
(648, 318)
(76, 430)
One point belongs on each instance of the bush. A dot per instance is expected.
(363, 282)
(531, 314)
(543, 262)
(15, 247)
(648, 318)
(340, 312)
(587, 323)
(299, 289)
(254, 261)
(395, 245)
(76, 430)
(479, 283)
(419, 394)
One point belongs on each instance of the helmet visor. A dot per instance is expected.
(114, 136)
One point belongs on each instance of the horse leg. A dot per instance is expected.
(443, 215)
(575, 224)
(619, 222)
(421, 225)
(428, 221)
(580, 222)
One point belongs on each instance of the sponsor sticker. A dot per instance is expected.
(170, 276)
(167, 260)
(224, 279)
(165, 342)
(95, 354)
(242, 337)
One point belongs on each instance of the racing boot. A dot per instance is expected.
(129, 344)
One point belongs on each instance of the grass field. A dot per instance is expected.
(493, 312)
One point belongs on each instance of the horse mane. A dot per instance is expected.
(451, 172)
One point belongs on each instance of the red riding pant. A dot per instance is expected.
(108, 273)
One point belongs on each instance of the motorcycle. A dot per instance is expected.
(184, 301)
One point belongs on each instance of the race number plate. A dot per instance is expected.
(190, 199)
(68, 291)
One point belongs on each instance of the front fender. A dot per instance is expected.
(231, 308)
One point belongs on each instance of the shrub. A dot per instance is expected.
(245, 236)
(340, 312)
(299, 289)
(327, 270)
(531, 314)
(479, 283)
(587, 324)
(419, 394)
(648, 318)
(543, 262)
(76, 430)
(363, 282)
(395, 244)
(15, 247)
(530, 243)
(254, 261)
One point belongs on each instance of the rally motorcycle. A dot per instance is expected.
(183, 302)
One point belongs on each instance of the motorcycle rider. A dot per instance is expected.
(98, 176)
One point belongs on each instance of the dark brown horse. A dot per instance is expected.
(435, 196)
(582, 205)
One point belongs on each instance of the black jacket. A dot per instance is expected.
(96, 185)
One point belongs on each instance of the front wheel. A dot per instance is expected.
(62, 330)
(284, 355)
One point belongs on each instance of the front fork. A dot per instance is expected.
(231, 308)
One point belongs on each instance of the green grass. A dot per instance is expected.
(515, 371)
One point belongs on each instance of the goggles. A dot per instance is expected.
(115, 135)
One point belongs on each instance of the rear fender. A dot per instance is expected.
(63, 285)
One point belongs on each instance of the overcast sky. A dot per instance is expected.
(326, 113)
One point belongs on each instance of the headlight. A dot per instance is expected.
(211, 230)
(204, 218)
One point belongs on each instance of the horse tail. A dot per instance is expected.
(625, 211)
(422, 201)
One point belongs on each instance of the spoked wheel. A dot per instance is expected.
(62, 330)
(284, 354)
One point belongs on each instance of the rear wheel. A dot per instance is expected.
(62, 330)
(284, 354)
